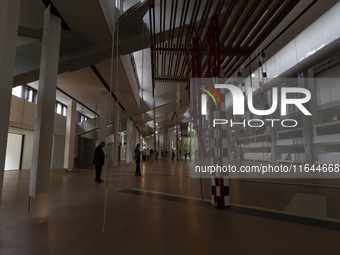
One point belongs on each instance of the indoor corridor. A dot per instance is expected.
(162, 212)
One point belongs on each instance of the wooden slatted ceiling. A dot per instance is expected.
(243, 26)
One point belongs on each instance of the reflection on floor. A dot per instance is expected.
(313, 206)
(163, 212)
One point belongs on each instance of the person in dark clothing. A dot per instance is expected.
(99, 161)
(151, 154)
(137, 159)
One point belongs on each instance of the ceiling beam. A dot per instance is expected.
(62, 91)
(171, 79)
(101, 78)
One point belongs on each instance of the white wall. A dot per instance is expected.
(318, 35)
(328, 87)
(123, 152)
(22, 113)
(58, 152)
(59, 124)
(28, 151)
(22, 117)
(13, 151)
(257, 156)
(126, 62)
(333, 157)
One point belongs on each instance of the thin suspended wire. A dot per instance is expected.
(94, 124)
(142, 75)
(109, 104)
(116, 104)
(117, 73)
(329, 87)
(23, 94)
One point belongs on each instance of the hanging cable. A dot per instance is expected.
(214, 66)
(114, 28)
(142, 74)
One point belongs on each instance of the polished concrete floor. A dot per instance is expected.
(162, 212)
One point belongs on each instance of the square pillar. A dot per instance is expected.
(44, 123)
(129, 141)
(9, 21)
(103, 117)
(70, 134)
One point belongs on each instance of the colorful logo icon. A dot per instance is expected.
(209, 93)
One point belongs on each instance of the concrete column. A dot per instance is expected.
(70, 135)
(306, 81)
(9, 21)
(220, 182)
(116, 135)
(44, 123)
(135, 140)
(177, 137)
(154, 134)
(123, 147)
(275, 150)
(158, 145)
(166, 140)
(129, 142)
(230, 142)
(103, 117)
(313, 103)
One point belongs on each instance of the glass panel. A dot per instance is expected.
(30, 96)
(65, 111)
(59, 108)
(17, 91)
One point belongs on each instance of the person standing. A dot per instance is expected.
(137, 159)
(99, 161)
(233, 155)
(151, 154)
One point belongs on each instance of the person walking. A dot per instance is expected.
(99, 161)
(137, 159)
